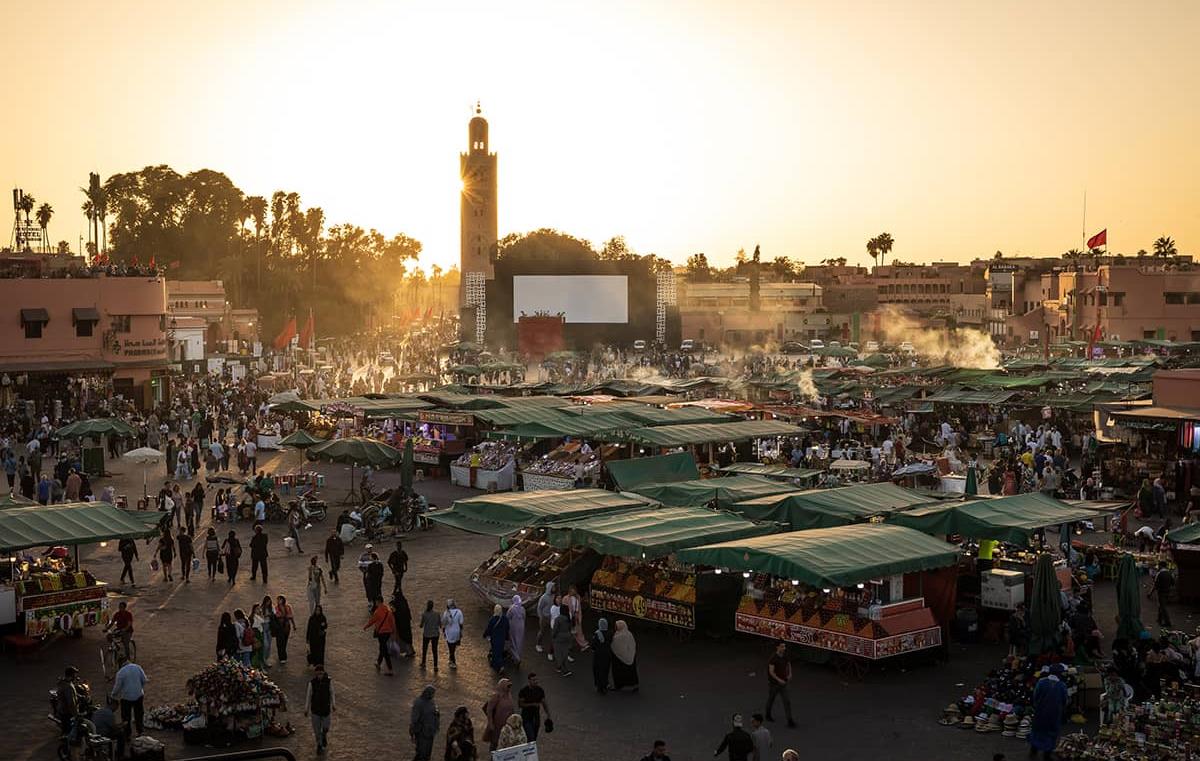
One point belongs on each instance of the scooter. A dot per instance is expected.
(310, 509)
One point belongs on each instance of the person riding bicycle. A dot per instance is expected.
(121, 626)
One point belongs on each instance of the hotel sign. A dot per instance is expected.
(140, 348)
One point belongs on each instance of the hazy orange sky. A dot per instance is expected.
(807, 127)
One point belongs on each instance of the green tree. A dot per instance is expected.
(1164, 248)
(883, 244)
(698, 270)
(44, 213)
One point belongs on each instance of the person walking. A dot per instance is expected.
(574, 603)
(779, 674)
(532, 702)
(545, 639)
(245, 637)
(1049, 702)
(166, 554)
(212, 552)
(737, 741)
(512, 733)
(761, 737)
(129, 687)
(186, 553)
(258, 554)
(373, 578)
(398, 562)
(314, 635)
(383, 625)
(624, 662)
(1164, 582)
(286, 621)
(319, 701)
(564, 637)
(516, 629)
(496, 633)
(403, 615)
(270, 627)
(335, 548)
(601, 656)
(452, 626)
(227, 637)
(423, 724)
(431, 625)
(316, 584)
(129, 553)
(232, 548)
(460, 737)
(497, 709)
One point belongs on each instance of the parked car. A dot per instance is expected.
(835, 344)
(793, 347)
(815, 344)
(872, 347)
(639, 345)
(687, 345)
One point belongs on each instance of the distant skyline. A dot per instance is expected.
(806, 128)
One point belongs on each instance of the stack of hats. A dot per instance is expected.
(995, 723)
(981, 723)
(950, 715)
(968, 722)
(1010, 725)
(1024, 728)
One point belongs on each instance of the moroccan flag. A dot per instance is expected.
(1098, 240)
(286, 335)
(306, 335)
(152, 265)
(1097, 334)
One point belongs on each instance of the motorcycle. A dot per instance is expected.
(94, 747)
(310, 509)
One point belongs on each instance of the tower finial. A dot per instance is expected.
(478, 108)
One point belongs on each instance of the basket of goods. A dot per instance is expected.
(228, 688)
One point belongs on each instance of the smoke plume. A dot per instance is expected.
(960, 347)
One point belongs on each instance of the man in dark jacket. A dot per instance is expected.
(738, 741)
(319, 702)
(334, 549)
(398, 562)
(129, 553)
(373, 579)
(258, 553)
(423, 724)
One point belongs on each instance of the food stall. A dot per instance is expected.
(48, 592)
(863, 592)
(487, 464)
(823, 508)
(559, 468)
(640, 578)
(524, 567)
(440, 436)
(722, 492)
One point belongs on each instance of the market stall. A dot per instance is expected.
(235, 703)
(638, 578)
(526, 564)
(795, 476)
(504, 514)
(660, 469)
(1166, 728)
(565, 466)
(866, 591)
(721, 492)
(48, 592)
(1008, 519)
(822, 508)
(1185, 551)
(488, 465)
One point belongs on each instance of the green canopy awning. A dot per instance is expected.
(705, 433)
(106, 426)
(726, 491)
(72, 523)
(300, 439)
(1009, 519)
(654, 532)
(822, 508)
(355, 450)
(1188, 534)
(663, 469)
(502, 514)
(769, 471)
(829, 557)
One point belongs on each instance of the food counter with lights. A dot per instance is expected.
(43, 596)
(655, 592)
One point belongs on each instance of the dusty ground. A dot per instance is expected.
(688, 690)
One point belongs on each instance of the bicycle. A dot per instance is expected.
(111, 652)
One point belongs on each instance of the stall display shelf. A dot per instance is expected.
(523, 569)
(647, 591)
(541, 482)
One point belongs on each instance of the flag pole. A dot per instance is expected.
(1083, 229)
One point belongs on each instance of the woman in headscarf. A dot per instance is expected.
(516, 629)
(257, 659)
(513, 733)
(601, 656)
(574, 604)
(624, 660)
(403, 615)
(497, 633)
(497, 710)
(460, 737)
(227, 641)
(314, 635)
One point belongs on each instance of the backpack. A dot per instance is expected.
(248, 636)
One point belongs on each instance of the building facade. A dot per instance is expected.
(720, 313)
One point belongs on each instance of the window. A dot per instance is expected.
(1196, 335)
(1175, 298)
(1118, 299)
(1193, 298)
(1149, 334)
(33, 329)
(84, 329)
(121, 323)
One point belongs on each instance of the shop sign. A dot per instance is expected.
(139, 347)
(50, 599)
(446, 418)
(836, 641)
(425, 458)
(650, 608)
(65, 618)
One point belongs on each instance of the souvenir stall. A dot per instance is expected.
(640, 578)
(235, 703)
(524, 567)
(440, 437)
(559, 468)
(862, 592)
(1164, 729)
(488, 465)
(47, 592)
(1002, 702)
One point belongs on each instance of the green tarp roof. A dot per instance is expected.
(654, 532)
(371, 407)
(1188, 534)
(704, 433)
(964, 396)
(829, 557)
(1009, 519)
(725, 491)
(622, 415)
(501, 514)
(663, 469)
(769, 471)
(72, 523)
(821, 508)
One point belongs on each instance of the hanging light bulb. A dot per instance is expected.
(103, 544)
(861, 585)
(826, 591)
(795, 583)
(718, 571)
(745, 574)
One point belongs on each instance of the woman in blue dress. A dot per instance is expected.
(1049, 704)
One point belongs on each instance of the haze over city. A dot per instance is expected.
(961, 129)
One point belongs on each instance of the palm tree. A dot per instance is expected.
(884, 244)
(90, 212)
(44, 213)
(873, 249)
(27, 203)
(1073, 254)
(256, 207)
(97, 198)
(1164, 248)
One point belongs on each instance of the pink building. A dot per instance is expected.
(57, 328)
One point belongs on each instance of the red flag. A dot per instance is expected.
(1097, 334)
(152, 265)
(306, 335)
(1098, 240)
(286, 335)
(428, 312)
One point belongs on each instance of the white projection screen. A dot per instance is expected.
(582, 298)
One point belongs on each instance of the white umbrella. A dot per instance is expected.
(143, 456)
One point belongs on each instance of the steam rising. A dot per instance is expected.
(961, 347)
(806, 388)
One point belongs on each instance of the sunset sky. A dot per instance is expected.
(807, 127)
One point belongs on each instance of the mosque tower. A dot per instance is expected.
(478, 221)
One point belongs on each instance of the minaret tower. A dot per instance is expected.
(479, 226)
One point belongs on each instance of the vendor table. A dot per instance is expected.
(476, 478)
(64, 610)
(539, 482)
(268, 441)
(643, 591)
